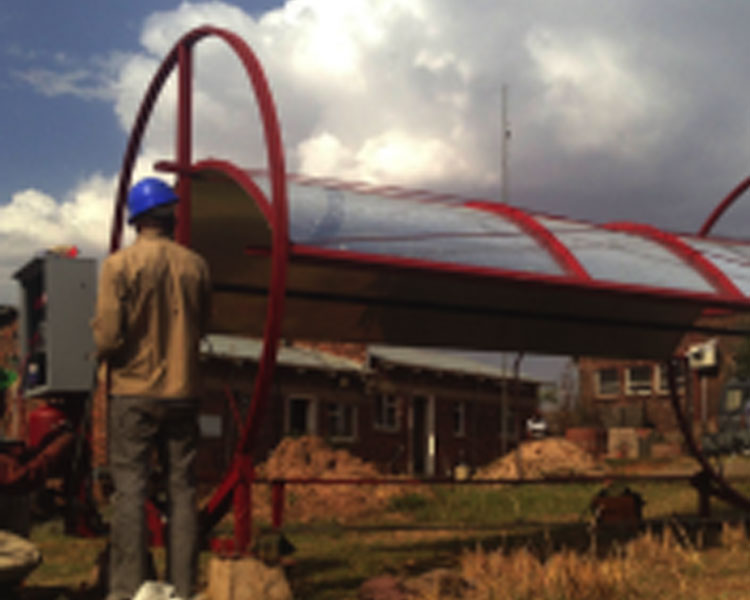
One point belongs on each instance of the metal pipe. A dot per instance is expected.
(279, 221)
(720, 485)
(277, 503)
(184, 141)
(722, 207)
(242, 504)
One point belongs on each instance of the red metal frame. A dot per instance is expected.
(363, 187)
(574, 275)
(548, 240)
(379, 260)
(235, 486)
(691, 256)
(277, 215)
(184, 140)
(243, 179)
(721, 486)
(722, 207)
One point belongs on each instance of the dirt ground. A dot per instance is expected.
(309, 457)
(550, 457)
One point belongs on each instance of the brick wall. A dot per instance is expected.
(391, 449)
(653, 409)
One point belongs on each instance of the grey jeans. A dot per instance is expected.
(140, 428)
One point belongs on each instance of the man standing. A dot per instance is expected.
(152, 310)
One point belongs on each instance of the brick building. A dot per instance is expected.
(622, 393)
(628, 393)
(407, 410)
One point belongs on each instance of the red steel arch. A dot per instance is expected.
(691, 256)
(277, 215)
(548, 240)
(723, 206)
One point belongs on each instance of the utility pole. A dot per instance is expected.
(504, 145)
(504, 409)
(504, 193)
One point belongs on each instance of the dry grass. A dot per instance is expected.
(667, 566)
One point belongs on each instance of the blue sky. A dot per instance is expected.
(631, 110)
(50, 142)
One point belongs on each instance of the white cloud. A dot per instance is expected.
(93, 79)
(408, 92)
(324, 154)
(80, 82)
(331, 67)
(382, 91)
(34, 221)
(397, 156)
(593, 97)
(392, 156)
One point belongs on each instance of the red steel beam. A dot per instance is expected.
(722, 207)
(184, 141)
(692, 257)
(543, 236)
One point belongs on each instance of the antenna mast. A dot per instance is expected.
(504, 145)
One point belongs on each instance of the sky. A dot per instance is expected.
(631, 110)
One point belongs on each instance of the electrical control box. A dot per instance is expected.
(58, 294)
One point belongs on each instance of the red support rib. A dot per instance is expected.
(692, 257)
(543, 236)
(723, 206)
(184, 141)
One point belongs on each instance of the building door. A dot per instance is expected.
(418, 438)
(423, 442)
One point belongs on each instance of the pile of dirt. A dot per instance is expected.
(310, 457)
(550, 457)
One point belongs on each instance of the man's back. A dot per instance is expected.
(152, 309)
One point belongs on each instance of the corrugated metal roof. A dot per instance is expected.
(250, 349)
(308, 358)
(442, 361)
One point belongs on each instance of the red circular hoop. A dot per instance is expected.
(179, 55)
(722, 207)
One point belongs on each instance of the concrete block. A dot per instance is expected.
(623, 442)
(246, 579)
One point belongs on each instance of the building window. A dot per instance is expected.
(639, 380)
(386, 412)
(459, 419)
(608, 382)
(342, 420)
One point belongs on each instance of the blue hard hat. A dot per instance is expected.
(149, 193)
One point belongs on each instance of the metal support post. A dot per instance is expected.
(277, 503)
(242, 504)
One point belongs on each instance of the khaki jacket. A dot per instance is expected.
(152, 309)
